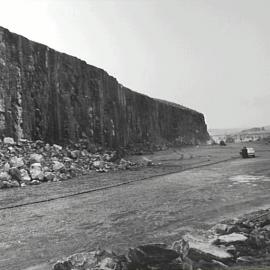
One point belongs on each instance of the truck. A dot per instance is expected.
(247, 152)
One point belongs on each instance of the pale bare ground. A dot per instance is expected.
(159, 208)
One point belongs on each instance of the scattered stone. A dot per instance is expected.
(47, 147)
(74, 154)
(5, 184)
(4, 176)
(9, 140)
(152, 254)
(57, 147)
(245, 259)
(232, 238)
(220, 228)
(98, 164)
(189, 253)
(11, 149)
(35, 182)
(202, 249)
(49, 176)
(25, 175)
(266, 227)
(107, 264)
(14, 183)
(181, 247)
(15, 174)
(58, 166)
(6, 167)
(36, 158)
(36, 172)
(62, 265)
(62, 162)
(147, 162)
(16, 162)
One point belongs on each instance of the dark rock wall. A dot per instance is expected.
(55, 97)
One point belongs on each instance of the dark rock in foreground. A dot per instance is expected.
(51, 96)
(219, 250)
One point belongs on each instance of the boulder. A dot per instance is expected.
(123, 164)
(58, 166)
(11, 150)
(257, 239)
(13, 183)
(5, 184)
(84, 260)
(36, 158)
(74, 154)
(67, 159)
(4, 176)
(84, 153)
(15, 174)
(203, 249)
(63, 265)
(16, 162)
(36, 165)
(49, 176)
(6, 167)
(107, 264)
(8, 140)
(146, 161)
(181, 247)
(152, 254)
(35, 182)
(57, 147)
(25, 175)
(266, 227)
(36, 172)
(47, 147)
(221, 228)
(98, 164)
(231, 238)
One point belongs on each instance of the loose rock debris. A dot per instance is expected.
(233, 243)
(31, 163)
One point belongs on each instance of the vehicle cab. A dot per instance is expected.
(247, 152)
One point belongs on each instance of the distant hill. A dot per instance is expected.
(234, 131)
(224, 131)
(256, 129)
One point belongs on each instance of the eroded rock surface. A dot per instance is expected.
(60, 99)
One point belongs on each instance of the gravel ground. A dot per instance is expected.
(159, 209)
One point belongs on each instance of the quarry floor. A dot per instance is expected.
(192, 188)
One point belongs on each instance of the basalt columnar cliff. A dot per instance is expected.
(58, 98)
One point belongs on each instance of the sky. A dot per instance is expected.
(210, 55)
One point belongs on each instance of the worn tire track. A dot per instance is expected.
(116, 185)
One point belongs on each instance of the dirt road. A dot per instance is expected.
(159, 209)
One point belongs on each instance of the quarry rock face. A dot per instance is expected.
(51, 96)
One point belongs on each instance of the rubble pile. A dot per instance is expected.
(153, 256)
(247, 239)
(30, 163)
(229, 245)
